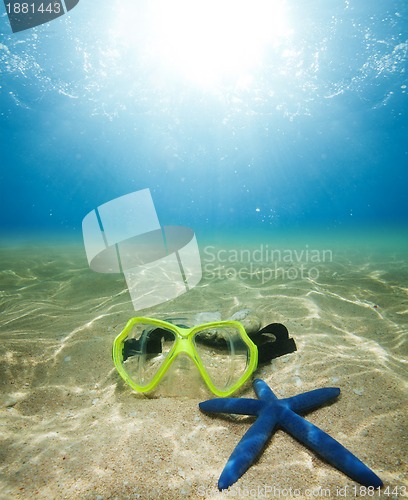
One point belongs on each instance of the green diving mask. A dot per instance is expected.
(222, 351)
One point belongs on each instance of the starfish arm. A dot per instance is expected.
(262, 390)
(308, 401)
(239, 406)
(248, 449)
(328, 448)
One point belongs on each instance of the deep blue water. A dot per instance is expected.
(317, 139)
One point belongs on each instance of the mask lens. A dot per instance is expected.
(224, 355)
(145, 350)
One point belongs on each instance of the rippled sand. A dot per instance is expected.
(71, 429)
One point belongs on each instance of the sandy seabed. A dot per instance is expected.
(70, 428)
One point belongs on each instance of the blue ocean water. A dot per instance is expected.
(313, 136)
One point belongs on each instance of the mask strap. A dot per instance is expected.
(272, 341)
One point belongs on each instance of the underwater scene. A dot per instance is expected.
(233, 176)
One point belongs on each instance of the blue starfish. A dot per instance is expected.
(271, 413)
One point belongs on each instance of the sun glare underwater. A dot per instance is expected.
(208, 43)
